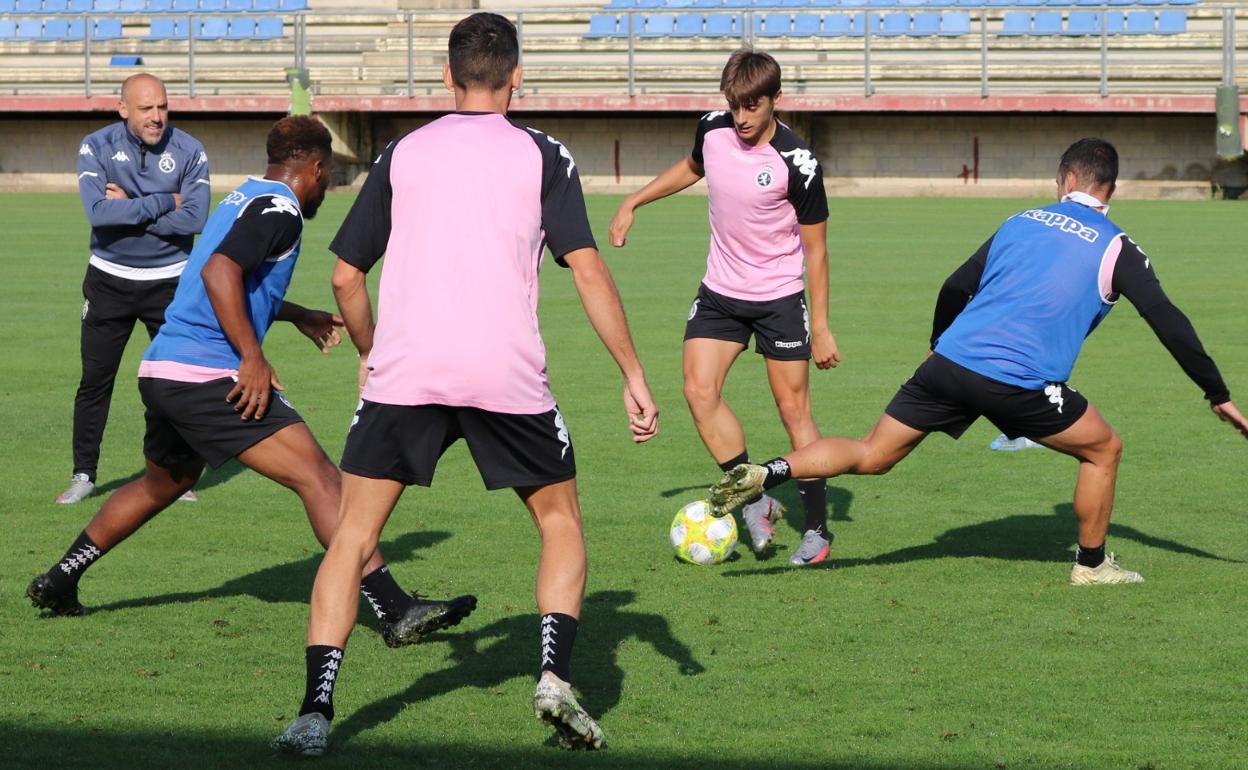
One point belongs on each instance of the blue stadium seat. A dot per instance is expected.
(1087, 2)
(163, 29)
(1184, 2)
(1028, 3)
(857, 24)
(105, 6)
(736, 3)
(659, 25)
(266, 6)
(720, 25)
(805, 24)
(969, 2)
(677, 3)
(77, 29)
(212, 5)
(1082, 23)
(620, 4)
(235, 6)
(855, 3)
(125, 60)
(242, 27)
(1141, 22)
(133, 6)
(6, 6)
(185, 6)
(638, 21)
(269, 28)
(1114, 22)
(602, 25)
(774, 25)
(1151, 2)
(708, 3)
(1047, 23)
(955, 23)
(882, 3)
(29, 6)
(893, 25)
(159, 6)
(925, 24)
(8, 29)
(51, 6)
(80, 6)
(688, 25)
(213, 28)
(1171, 22)
(649, 3)
(294, 5)
(1122, 2)
(835, 25)
(55, 29)
(824, 3)
(107, 29)
(1015, 23)
(29, 29)
(941, 3)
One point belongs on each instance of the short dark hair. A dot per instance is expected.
(749, 76)
(483, 51)
(1092, 160)
(296, 137)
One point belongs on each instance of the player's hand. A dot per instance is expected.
(643, 415)
(823, 345)
(364, 370)
(1227, 412)
(256, 382)
(620, 225)
(320, 327)
(114, 193)
(177, 200)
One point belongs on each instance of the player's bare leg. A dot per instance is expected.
(790, 385)
(1098, 449)
(706, 365)
(561, 575)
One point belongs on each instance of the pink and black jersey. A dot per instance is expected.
(461, 209)
(757, 198)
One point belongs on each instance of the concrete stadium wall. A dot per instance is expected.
(862, 154)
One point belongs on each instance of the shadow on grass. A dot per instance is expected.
(508, 649)
(211, 478)
(1024, 537)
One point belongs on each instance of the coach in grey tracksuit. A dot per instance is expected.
(144, 185)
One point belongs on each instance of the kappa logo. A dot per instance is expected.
(778, 467)
(167, 164)
(281, 205)
(765, 176)
(85, 149)
(86, 305)
(805, 162)
(715, 114)
(561, 429)
(121, 157)
(806, 320)
(203, 157)
(233, 199)
(1054, 391)
(563, 151)
(356, 418)
(694, 310)
(1062, 222)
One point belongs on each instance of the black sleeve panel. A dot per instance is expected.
(806, 192)
(269, 226)
(1134, 279)
(957, 290)
(709, 122)
(564, 218)
(362, 237)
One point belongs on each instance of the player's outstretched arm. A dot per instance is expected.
(223, 281)
(683, 173)
(815, 248)
(356, 309)
(317, 325)
(606, 314)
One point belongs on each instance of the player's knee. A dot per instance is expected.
(874, 465)
(700, 394)
(1112, 450)
(794, 411)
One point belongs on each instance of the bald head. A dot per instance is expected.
(145, 107)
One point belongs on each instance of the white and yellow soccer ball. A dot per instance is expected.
(701, 537)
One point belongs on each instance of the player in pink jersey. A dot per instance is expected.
(768, 214)
(462, 210)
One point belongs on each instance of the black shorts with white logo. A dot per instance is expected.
(190, 421)
(943, 396)
(781, 327)
(404, 444)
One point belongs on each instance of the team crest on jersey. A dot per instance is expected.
(121, 157)
(167, 164)
(765, 176)
(85, 150)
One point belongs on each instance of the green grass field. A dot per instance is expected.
(942, 633)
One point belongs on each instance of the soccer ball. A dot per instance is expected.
(699, 537)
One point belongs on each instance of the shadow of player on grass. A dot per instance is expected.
(284, 583)
(212, 477)
(1023, 537)
(507, 649)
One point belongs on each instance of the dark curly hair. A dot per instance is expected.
(297, 137)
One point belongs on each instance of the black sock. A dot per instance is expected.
(558, 634)
(384, 595)
(778, 472)
(740, 459)
(814, 494)
(323, 662)
(66, 573)
(1090, 557)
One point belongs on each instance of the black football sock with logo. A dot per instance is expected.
(66, 573)
(1090, 557)
(384, 595)
(778, 472)
(814, 494)
(323, 662)
(558, 634)
(741, 459)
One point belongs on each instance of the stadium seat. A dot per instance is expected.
(882, 3)
(805, 24)
(125, 60)
(1122, 2)
(835, 25)
(159, 6)
(107, 29)
(720, 25)
(1151, 2)
(77, 29)
(79, 6)
(602, 25)
(29, 6)
(708, 3)
(1141, 22)
(941, 3)
(688, 25)
(1183, 2)
(824, 3)
(267, 6)
(105, 6)
(6, 6)
(294, 5)
(234, 6)
(55, 29)
(677, 3)
(165, 29)
(133, 6)
(1082, 23)
(955, 23)
(620, 4)
(242, 27)
(893, 25)
(212, 5)
(1028, 3)
(269, 28)
(857, 24)
(1015, 23)
(925, 24)
(649, 3)
(774, 25)
(212, 28)
(29, 29)
(855, 3)
(1047, 23)
(1114, 22)
(8, 29)
(1171, 22)
(659, 25)
(185, 6)
(736, 3)
(49, 6)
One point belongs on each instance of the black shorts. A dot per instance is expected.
(943, 396)
(189, 421)
(781, 327)
(404, 444)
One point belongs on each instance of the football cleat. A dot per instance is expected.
(744, 482)
(814, 549)
(307, 736)
(554, 704)
(1106, 573)
(1003, 443)
(759, 517)
(424, 616)
(42, 594)
(80, 488)
(189, 496)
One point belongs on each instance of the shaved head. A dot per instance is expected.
(144, 106)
